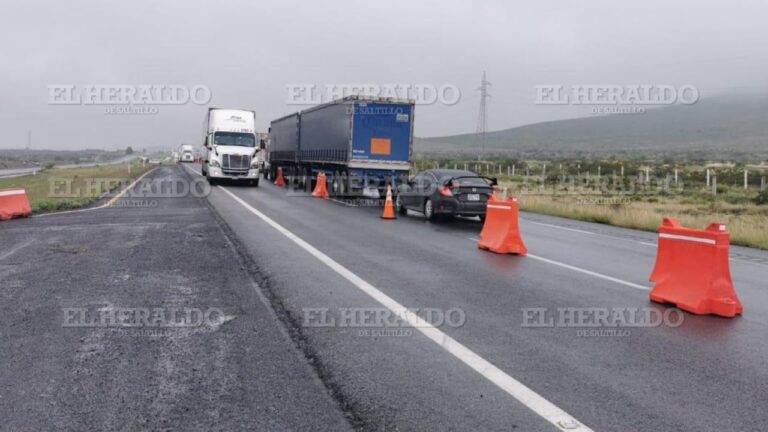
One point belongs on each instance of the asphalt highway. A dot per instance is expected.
(700, 373)
(319, 315)
(236, 368)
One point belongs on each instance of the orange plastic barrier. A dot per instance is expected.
(501, 231)
(692, 270)
(389, 206)
(280, 181)
(321, 188)
(496, 195)
(14, 204)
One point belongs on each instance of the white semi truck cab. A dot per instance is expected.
(231, 147)
(186, 153)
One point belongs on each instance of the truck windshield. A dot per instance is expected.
(234, 139)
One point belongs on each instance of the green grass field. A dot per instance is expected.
(63, 189)
(567, 188)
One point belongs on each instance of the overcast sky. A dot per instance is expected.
(247, 52)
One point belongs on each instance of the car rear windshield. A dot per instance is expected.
(471, 181)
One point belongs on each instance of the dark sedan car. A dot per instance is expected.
(445, 192)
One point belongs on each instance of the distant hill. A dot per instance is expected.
(727, 127)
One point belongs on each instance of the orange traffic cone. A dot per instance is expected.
(389, 207)
(321, 189)
(280, 181)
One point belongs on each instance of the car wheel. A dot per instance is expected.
(429, 209)
(399, 206)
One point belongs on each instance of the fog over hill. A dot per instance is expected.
(713, 128)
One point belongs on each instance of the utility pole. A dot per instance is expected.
(482, 118)
(746, 180)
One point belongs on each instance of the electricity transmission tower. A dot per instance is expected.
(482, 118)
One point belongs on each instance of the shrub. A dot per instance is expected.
(761, 198)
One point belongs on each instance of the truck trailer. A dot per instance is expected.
(230, 146)
(361, 143)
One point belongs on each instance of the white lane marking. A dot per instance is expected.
(12, 192)
(344, 203)
(516, 389)
(686, 238)
(15, 249)
(625, 239)
(105, 205)
(192, 171)
(589, 272)
(581, 270)
(560, 227)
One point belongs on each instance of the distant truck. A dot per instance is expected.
(360, 143)
(230, 146)
(186, 153)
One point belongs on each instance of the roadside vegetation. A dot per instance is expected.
(636, 194)
(57, 189)
(23, 158)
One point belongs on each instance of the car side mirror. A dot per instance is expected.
(262, 145)
(494, 181)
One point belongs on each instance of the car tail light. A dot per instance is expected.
(446, 191)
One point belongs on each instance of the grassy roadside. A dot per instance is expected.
(747, 223)
(635, 194)
(59, 189)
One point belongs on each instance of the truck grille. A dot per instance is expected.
(233, 164)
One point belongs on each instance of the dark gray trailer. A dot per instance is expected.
(360, 143)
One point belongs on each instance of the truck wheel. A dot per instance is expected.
(400, 207)
(336, 184)
(429, 209)
(255, 183)
(211, 180)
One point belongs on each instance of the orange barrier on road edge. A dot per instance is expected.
(389, 207)
(501, 230)
(692, 270)
(321, 188)
(14, 204)
(280, 181)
